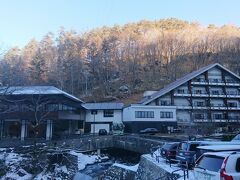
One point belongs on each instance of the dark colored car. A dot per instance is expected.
(169, 150)
(149, 131)
(102, 132)
(186, 152)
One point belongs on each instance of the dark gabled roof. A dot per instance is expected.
(102, 106)
(35, 90)
(183, 80)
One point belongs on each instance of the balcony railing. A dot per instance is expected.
(200, 107)
(233, 108)
(184, 107)
(203, 82)
(216, 120)
(215, 82)
(218, 107)
(182, 94)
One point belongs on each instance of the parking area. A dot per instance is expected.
(205, 159)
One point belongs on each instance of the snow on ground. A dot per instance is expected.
(52, 175)
(131, 168)
(162, 163)
(21, 174)
(12, 160)
(84, 159)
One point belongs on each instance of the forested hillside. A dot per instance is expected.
(114, 63)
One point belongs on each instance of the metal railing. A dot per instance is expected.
(155, 153)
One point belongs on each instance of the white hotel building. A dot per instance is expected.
(208, 95)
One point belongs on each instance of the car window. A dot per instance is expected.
(175, 146)
(193, 147)
(211, 163)
(167, 146)
(238, 165)
(183, 146)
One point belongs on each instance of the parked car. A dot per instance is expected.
(149, 131)
(102, 132)
(216, 148)
(236, 138)
(218, 165)
(169, 150)
(177, 130)
(186, 152)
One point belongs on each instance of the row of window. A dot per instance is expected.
(215, 116)
(213, 92)
(150, 114)
(41, 107)
(214, 80)
(203, 103)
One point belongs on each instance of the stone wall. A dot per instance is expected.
(136, 143)
(118, 173)
(133, 143)
(147, 170)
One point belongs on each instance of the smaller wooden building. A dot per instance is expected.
(39, 112)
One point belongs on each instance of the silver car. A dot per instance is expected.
(218, 166)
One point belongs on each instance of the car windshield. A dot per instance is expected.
(193, 147)
(183, 146)
(167, 146)
(211, 163)
(236, 138)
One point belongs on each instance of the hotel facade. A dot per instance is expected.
(208, 95)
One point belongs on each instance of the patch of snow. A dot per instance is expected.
(16, 176)
(131, 168)
(80, 176)
(52, 175)
(27, 146)
(43, 176)
(12, 158)
(104, 158)
(3, 149)
(162, 163)
(61, 169)
(84, 159)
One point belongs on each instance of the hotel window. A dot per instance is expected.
(232, 92)
(108, 113)
(199, 116)
(218, 116)
(230, 81)
(200, 80)
(232, 104)
(144, 114)
(214, 80)
(199, 103)
(198, 91)
(215, 92)
(165, 114)
(165, 103)
(180, 91)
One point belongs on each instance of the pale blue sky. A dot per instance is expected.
(22, 20)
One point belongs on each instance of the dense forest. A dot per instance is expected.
(114, 63)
